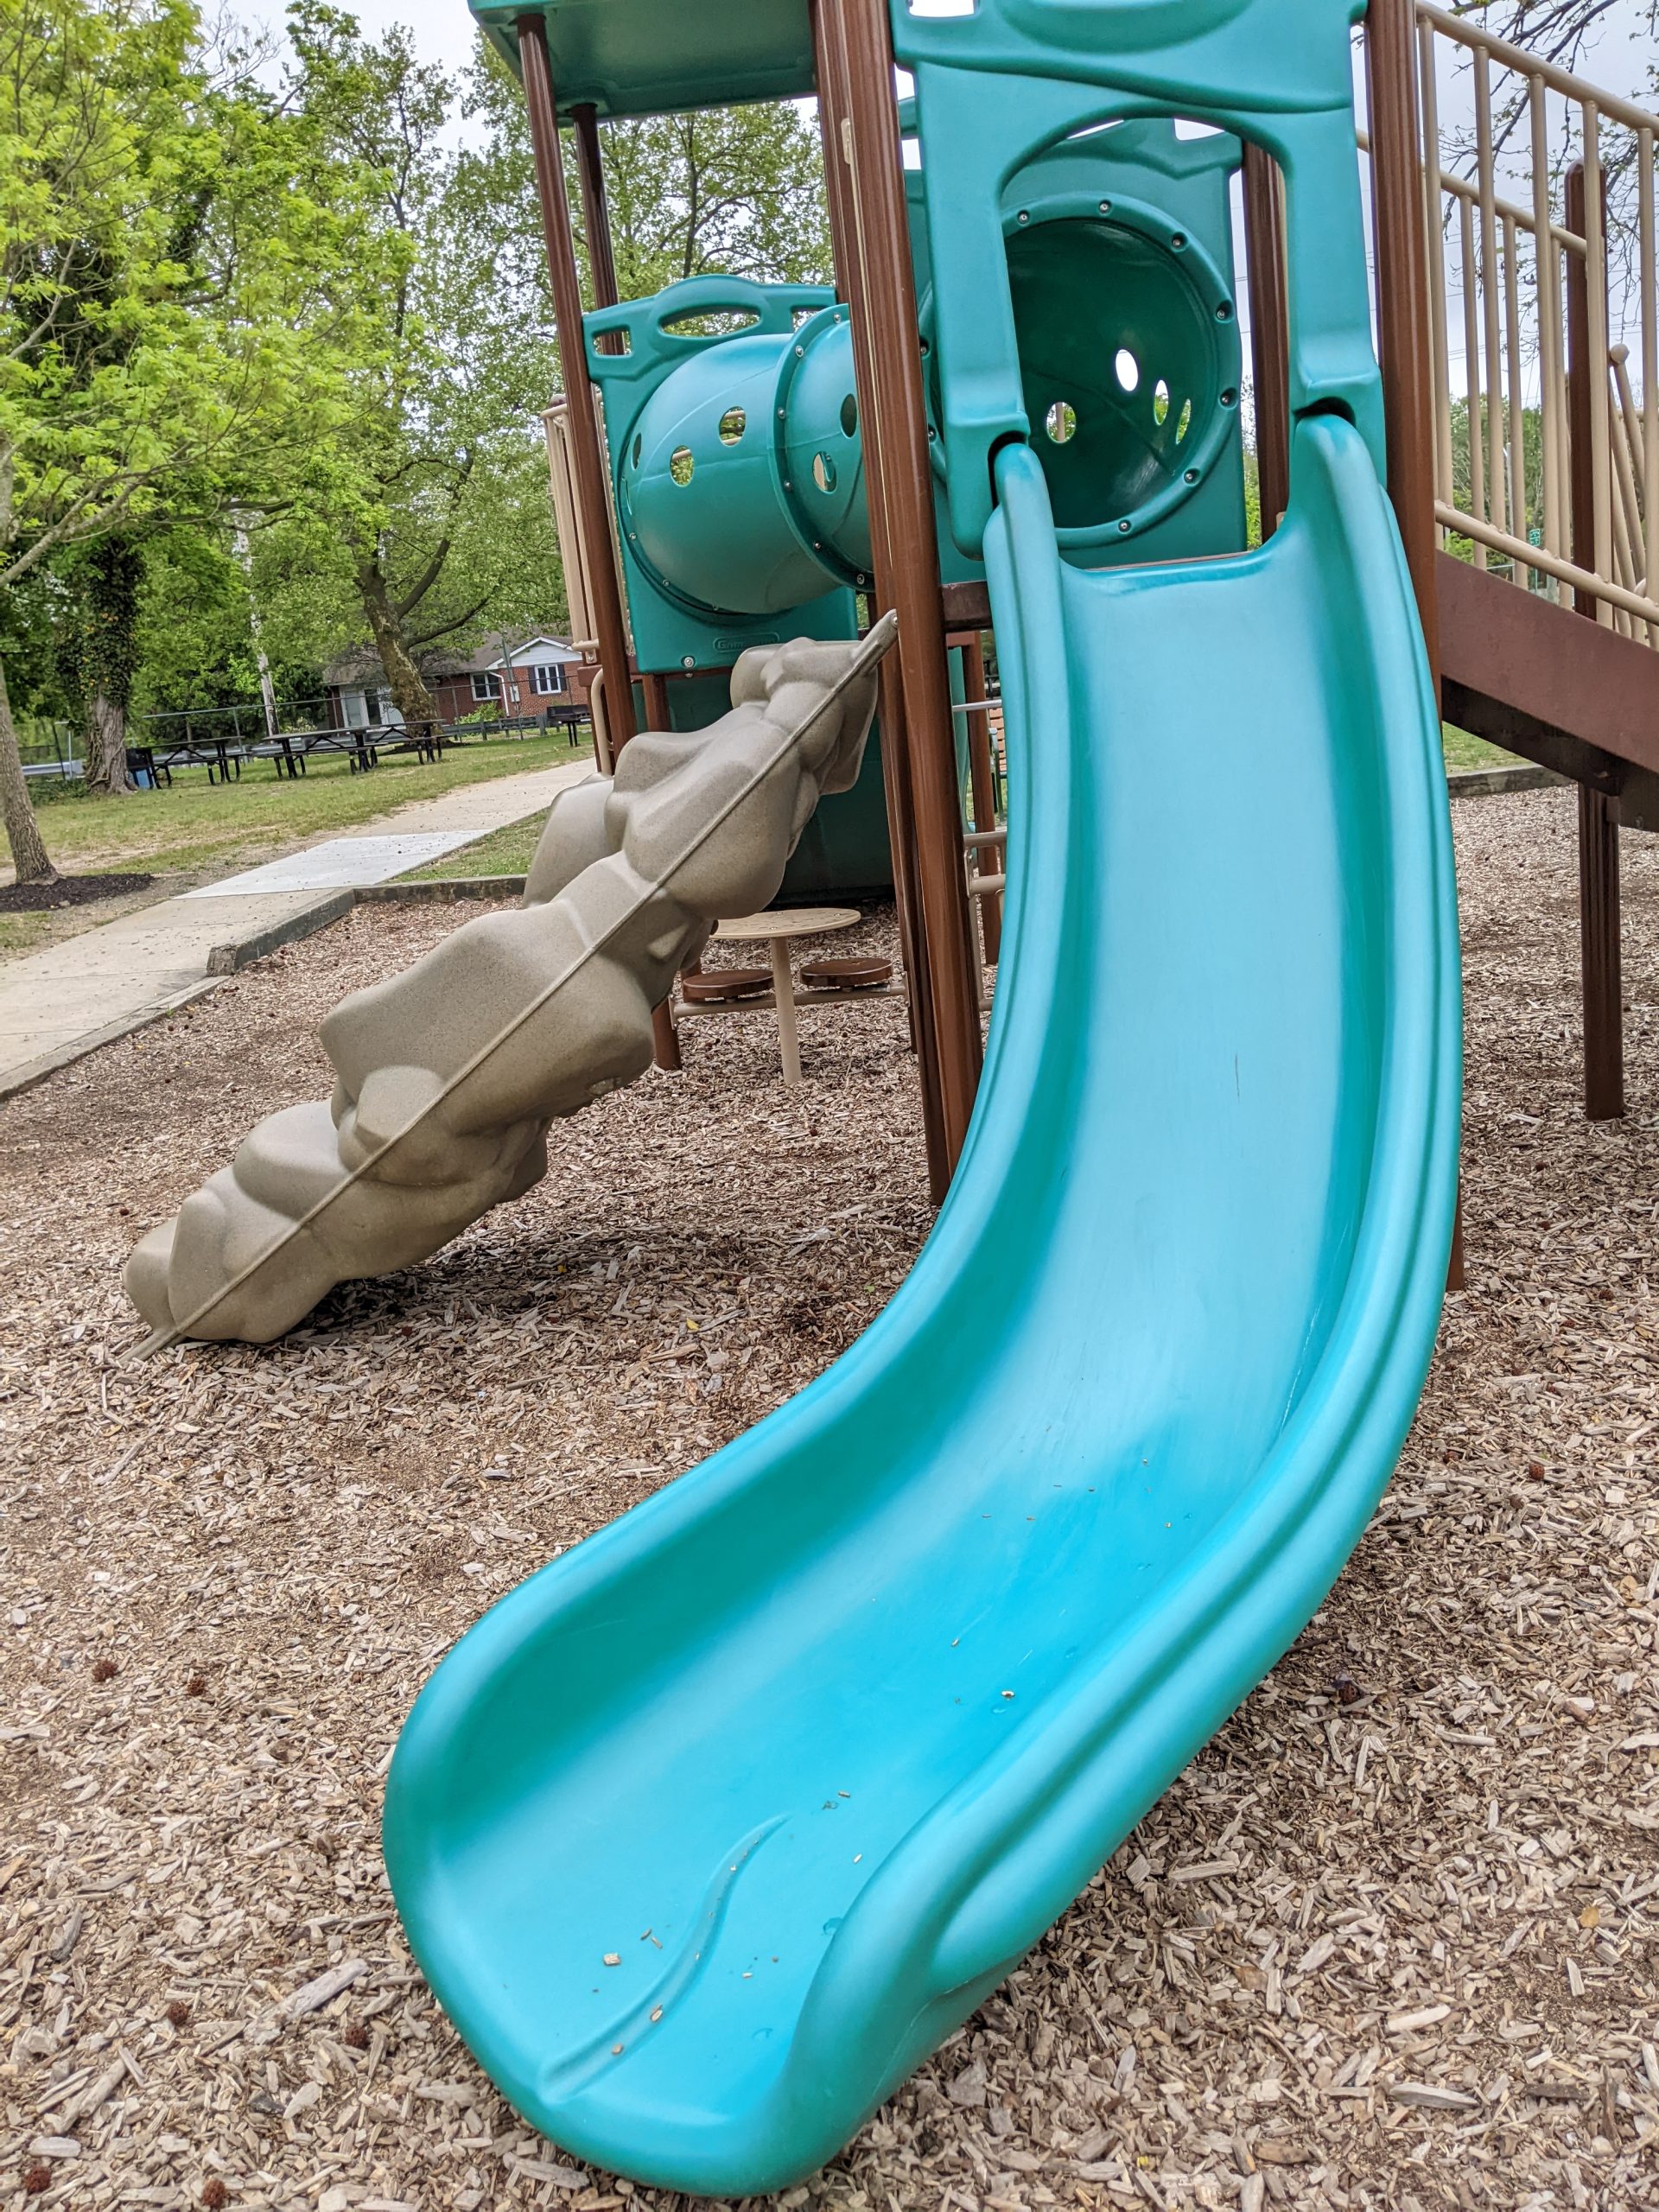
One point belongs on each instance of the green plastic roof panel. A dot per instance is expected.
(654, 57)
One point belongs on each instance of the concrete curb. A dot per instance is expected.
(34, 1072)
(1493, 783)
(442, 890)
(241, 952)
(223, 960)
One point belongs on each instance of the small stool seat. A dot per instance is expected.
(712, 985)
(846, 974)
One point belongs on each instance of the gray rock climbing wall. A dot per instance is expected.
(448, 1076)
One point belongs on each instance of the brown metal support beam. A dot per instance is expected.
(1599, 891)
(834, 102)
(587, 455)
(588, 464)
(1264, 248)
(966, 606)
(1404, 340)
(881, 286)
(1524, 672)
(595, 215)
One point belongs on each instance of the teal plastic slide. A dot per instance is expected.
(711, 1831)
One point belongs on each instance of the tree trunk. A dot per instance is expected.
(403, 680)
(29, 853)
(106, 747)
(109, 649)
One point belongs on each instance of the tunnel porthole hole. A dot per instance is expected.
(1111, 312)
(1061, 423)
(823, 472)
(732, 423)
(639, 447)
(722, 323)
(680, 463)
(850, 416)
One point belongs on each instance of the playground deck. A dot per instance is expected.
(1382, 1944)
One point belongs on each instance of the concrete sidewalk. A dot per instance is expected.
(67, 999)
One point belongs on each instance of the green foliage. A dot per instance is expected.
(167, 239)
(437, 508)
(174, 286)
(100, 639)
(737, 190)
(195, 628)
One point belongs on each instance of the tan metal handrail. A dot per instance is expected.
(1504, 267)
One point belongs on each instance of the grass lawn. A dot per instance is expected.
(503, 852)
(1463, 752)
(195, 825)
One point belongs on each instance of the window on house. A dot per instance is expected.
(484, 687)
(546, 678)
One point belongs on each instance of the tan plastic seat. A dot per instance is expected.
(712, 985)
(846, 974)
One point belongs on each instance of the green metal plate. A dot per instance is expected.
(652, 57)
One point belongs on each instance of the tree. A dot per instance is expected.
(427, 507)
(737, 191)
(721, 190)
(1558, 30)
(103, 653)
(163, 322)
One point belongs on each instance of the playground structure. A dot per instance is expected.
(447, 1077)
(846, 1716)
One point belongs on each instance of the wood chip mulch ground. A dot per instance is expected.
(1391, 1942)
(68, 891)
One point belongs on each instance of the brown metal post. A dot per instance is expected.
(587, 456)
(595, 215)
(1404, 339)
(983, 784)
(1405, 342)
(1264, 247)
(829, 52)
(1598, 888)
(655, 689)
(883, 298)
(587, 465)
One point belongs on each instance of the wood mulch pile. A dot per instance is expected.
(1390, 1941)
(68, 891)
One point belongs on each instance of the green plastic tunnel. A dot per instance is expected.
(742, 486)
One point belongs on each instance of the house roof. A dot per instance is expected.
(361, 663)
(545, 643)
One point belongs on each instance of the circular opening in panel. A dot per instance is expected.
(823, 472)
(681, 464)
(850, 416)
(732, 423)
(639, 447)
(1106, 313)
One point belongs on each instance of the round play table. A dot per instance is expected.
(776, 929)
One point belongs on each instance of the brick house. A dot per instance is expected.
(530, 677)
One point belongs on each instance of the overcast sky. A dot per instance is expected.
(443, 31)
